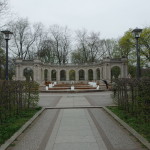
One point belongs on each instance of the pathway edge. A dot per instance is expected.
(24, 127)
(130, 129)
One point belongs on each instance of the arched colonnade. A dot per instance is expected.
(104, 70)
(71, 75)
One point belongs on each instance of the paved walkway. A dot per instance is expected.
(76, 129)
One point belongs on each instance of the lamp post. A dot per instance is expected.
(136, 33)
(7, 35)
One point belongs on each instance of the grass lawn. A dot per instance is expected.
(12, 124)
(136, 123)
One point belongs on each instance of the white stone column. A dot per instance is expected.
(108, 72)
(21, 77)
(77, 75)
(49, 75)
(17, 72)
(94, 74)
(57, 75)
(38, 68)
(123, 71)
(86, 74)
(67, 75)
(34, 73)
(50, 71)
(42, 74)
(101, 73)
(104, 71)
(126, 70)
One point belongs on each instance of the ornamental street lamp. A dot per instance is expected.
(136, 33)
(7, 36)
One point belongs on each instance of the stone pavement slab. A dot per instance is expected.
(48, 100)
(103, 99)
(76, 146)
(76, 99)
(73, 101)
(75, 129)
(111, 132)
(32, 138)
(74, 132)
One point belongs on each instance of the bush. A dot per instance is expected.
(17, 96)
(133, 96)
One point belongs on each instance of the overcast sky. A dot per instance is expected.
(110, 17)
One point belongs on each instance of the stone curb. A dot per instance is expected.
(131, 130)
(24, 127)
(69, 91)
(76, 107)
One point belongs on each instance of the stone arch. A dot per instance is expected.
(72, 75)
(45, 75)
(63, 75)
(97, 74)
(53, 75)
(38, 69)
(81, 74)
(115, 72)
(90, 74)
(28, 74)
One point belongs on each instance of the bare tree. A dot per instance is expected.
(81, 37)
(88, 47)
(46, 52)
(32, 39)
(61, 43)
(109, 46)
(4, 9)
(55, 45)
(3, 6)
(24, 36)
(94, 46)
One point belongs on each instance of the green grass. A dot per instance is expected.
(12, 124)
(136, 123)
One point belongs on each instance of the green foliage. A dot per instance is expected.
(13, 123)
(18, 101)
(132, 70)
(145, 72)
(133, 96)
(145, 44)
(2, 63)
(126, 43)
(115, 72)
(116, 53)
(128, 49)
(88, 47)
(137, 123)
(17, 96)
(77, 58)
